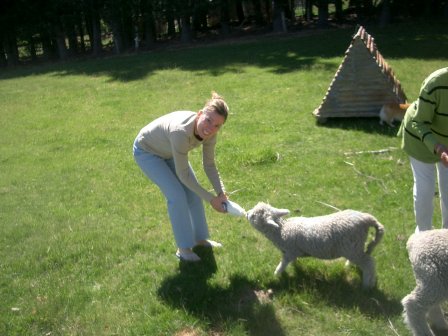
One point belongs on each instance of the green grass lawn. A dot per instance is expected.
(86, 246)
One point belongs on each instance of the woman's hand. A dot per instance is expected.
(217, 201)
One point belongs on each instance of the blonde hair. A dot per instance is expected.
(218, 105)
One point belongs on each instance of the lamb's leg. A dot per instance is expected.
(414, 313)
(282, 265)
(367, 265)
(436, 318)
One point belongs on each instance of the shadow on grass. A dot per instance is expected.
(366, 125)
(239, 303)
(278, 55)
(336, 290)
(299, 51)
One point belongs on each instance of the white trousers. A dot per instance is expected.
(424, 191)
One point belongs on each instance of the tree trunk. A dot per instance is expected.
(127, 28)
(200, 11)
(267, 4)
(368, 8)
(149, 24)
(149, 34)
(225, 17)
(71, 36)
(258, 14)
(289, 10)
(32, 48)
(186, 13)
(96, 34)
(323, 13)
(118, 40)
(240, 11)
(278, 19)
(3, 61)
(338, 10)
(170, 21)
(385, 16)
(60, 41)
(11, 50)
(185, 29)
(81, 34)
(93, 26)
(48, 47)
(308, 10)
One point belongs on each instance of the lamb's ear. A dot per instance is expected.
(282, 212)
(272, 223)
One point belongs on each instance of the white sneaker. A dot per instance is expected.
(187, 255)
(209, 243)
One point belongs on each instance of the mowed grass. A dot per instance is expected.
(86, 246)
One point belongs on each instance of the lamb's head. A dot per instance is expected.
(264, 216)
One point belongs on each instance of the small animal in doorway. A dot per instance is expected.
(392, 111)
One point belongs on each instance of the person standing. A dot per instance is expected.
(161, 151)
(424, 133)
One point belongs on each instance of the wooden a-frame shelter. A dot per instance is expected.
(362, 84)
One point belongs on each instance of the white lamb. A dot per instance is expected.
(428, 253)
(341, 234)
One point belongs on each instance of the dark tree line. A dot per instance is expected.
(60, 29)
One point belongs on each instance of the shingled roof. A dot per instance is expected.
(362, 84)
